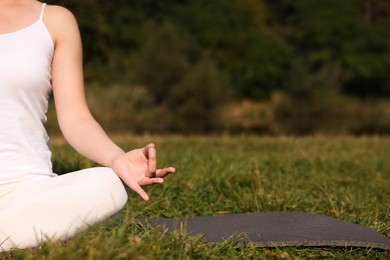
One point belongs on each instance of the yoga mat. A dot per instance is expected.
(277, 229)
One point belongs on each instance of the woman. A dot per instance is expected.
(40, 52)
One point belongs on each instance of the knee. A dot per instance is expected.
(109, 187)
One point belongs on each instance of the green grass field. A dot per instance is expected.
(343, 177)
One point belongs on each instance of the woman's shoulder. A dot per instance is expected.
(59, 11)
(58, 14)
(59, 20)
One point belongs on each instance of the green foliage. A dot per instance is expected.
(188, 88)
(253, 48)
(163, 60)
(229, 32)
(346, 178)
(321, 112)
(197, 97)
(336, 34)
(305, 83)
(123, 107)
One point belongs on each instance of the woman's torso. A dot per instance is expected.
(25, 74)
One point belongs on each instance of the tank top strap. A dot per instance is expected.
(42, 11)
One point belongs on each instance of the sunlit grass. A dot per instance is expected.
(343, 177)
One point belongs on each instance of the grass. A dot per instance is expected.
(343, 177)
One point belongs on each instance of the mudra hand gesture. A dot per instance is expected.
(138, 168)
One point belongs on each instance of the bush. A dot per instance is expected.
(196, 98)
(123, 108)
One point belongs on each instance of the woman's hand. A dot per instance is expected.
(139, 168)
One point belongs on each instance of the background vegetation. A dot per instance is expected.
(237, 66)
(260, 66)
(345, 177)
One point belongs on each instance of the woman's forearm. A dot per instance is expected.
(88, 138)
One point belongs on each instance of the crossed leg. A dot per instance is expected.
(57, 207)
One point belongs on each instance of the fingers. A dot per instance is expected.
(151, 181)
(152, 163)
(137, 188)
(164, 172)
(145, 182)
(146, 149)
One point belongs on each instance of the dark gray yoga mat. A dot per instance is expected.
(276, 229)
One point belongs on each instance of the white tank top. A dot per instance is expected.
(25, 86)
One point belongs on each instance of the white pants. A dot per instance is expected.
(57, 207)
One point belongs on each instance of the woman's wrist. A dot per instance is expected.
(114, 157)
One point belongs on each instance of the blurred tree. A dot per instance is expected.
(232, 34)
(189, 85)
(196, 98)
(176, 49)
(306, 83)
(376, 11)
(334, 33)
(163, 59)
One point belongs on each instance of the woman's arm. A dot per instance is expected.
(75, 120)
(80, 129)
